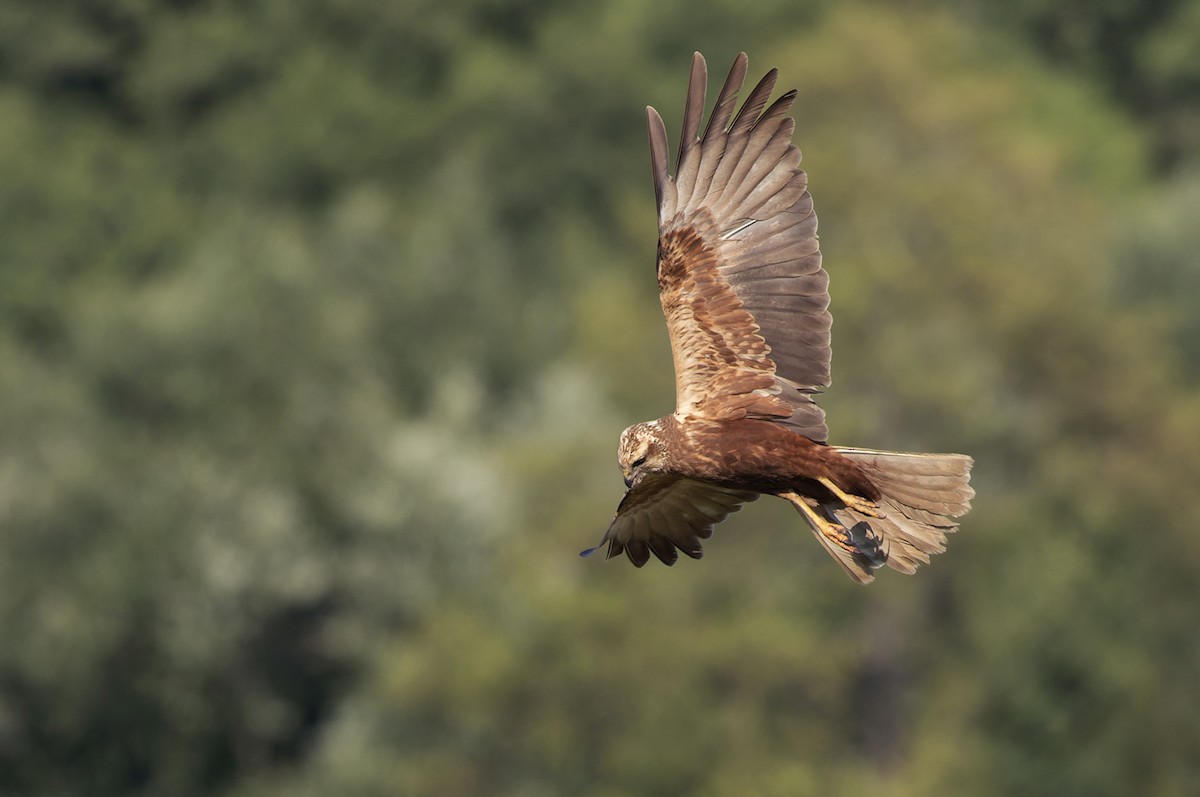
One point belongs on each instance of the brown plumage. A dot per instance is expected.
(746, 302)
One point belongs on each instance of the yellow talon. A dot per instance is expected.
(833, 532)
(860, 505)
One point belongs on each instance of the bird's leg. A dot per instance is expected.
(860, 505)
(834, 532)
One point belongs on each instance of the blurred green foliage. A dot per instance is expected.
(319, 320)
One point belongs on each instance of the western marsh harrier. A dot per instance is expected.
(746, 302)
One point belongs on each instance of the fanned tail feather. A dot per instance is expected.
(922, 495)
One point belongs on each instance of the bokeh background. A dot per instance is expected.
(319, 320)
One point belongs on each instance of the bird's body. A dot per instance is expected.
(746, 301)
(754, 454)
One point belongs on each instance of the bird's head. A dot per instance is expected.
(640, 450)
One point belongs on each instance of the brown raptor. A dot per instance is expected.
(746, 302)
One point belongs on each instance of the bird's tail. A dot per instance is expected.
(921, 497)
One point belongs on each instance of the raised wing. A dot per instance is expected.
(739, 267)
(664, 514)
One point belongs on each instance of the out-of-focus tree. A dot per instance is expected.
(968, 207)
(1142, 54)
(318, 321)
(1161, 274)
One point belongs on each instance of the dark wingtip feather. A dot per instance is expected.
(638, 552)
(664, 549)
(659, 152)
(754, 104)
(727, 98)
(693, 108)
(783, 104)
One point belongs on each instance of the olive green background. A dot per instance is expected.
(319, 322)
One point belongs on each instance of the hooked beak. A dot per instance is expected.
(628, 478)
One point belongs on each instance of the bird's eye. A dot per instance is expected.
(640, 461)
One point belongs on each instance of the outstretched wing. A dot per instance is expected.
(739, 268)
(663, 513)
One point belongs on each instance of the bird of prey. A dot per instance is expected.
(746, 302)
